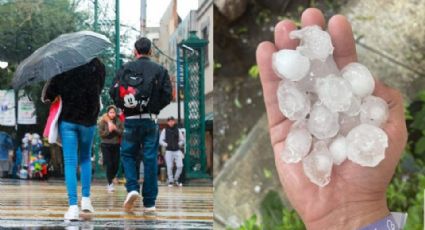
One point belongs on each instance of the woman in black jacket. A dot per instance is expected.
(79, 90)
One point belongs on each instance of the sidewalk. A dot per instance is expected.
(39, 203)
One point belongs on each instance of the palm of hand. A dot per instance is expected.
(351, 185)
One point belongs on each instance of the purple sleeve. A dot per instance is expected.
(387, 223)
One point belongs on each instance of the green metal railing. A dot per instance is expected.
(193, 63)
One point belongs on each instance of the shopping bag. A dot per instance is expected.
(51, 131)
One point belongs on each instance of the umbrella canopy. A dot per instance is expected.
(59, 55)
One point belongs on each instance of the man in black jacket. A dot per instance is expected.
(140, 126)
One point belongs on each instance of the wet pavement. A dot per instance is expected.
(41, 205)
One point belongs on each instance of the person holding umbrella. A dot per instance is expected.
(79, 90)
(75, 77)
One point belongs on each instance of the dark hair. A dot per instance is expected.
(111, 107)
(143, 45)
(170, 118)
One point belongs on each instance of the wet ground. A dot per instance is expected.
(41, 205)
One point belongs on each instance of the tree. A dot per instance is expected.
(26, 26)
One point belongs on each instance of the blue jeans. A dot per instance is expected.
(76, 139)
(137, 133)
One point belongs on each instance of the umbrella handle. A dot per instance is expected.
(43, 92)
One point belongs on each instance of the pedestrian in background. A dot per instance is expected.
(171, 138)
(110, 131)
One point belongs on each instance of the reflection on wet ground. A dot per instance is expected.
(41, 205)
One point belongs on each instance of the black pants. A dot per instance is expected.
(111, 158)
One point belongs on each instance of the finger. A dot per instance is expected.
(290, 174)
(293, 179)
(312, 16)
(281, 35)
(343, 41)
(395, 126)
(269, 82)
(393, 98)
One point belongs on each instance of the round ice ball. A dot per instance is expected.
(338, 149)
(297, 145)
(318, 164)
(322, 122)
(334, 92)
(347, 123)
(290, 64)
(333, 109)
(374, 111)
(366, 145)
(315, 43)
(360, 78)
(293, 103)
(354, 109)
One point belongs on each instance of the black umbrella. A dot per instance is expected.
(59, 55)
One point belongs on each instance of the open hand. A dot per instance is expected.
(355, 196)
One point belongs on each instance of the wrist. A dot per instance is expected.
(353, 215)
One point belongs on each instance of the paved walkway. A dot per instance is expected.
(40, 203)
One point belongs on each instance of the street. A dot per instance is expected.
(41, 205)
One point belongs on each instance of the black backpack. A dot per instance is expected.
(133, 91)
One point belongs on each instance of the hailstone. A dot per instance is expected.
(336, 116)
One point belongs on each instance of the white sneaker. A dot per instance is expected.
(110, 187)
(86, 205)
(150, 209)
(72, 214)
(129, 201)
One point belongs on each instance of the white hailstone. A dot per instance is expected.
(322, 122)
(335, 92)
(297, 143)
(257, 189)
(318, 164)
(323, 69)
(366, 145)
(293, 103)
(334, 110)
(315, 43)
(354, 109)
(290, 64)
(374, 111)
(318, 70)
(338, 149)
(347, 123)
(360, 78)
(307, 84)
